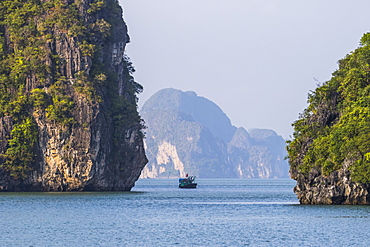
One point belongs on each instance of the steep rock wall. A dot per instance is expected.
(98, 142)
(337, 188)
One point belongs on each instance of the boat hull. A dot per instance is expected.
(188, 186)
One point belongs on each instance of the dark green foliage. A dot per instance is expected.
(60, 110)
(20, 153)
(95, 6)
(39, 98)
(19, 106)
(83, 84)
(135, 87)
(335, 128)
(32, 74)
(123, 110)
(31, 26)
(361, 171)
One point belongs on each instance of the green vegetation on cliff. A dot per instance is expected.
(33, 73)
(334, 131)
(26, 29)
(20, 152)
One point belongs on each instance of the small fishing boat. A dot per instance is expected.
(187, 183)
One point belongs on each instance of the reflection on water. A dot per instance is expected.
(245, 203)
(224, 212)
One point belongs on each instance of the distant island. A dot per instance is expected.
(187, 133)
(330, 153)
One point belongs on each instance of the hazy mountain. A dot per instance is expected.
(199, 108)
(258, 153)
(190, 134)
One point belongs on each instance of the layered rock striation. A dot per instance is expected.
(68, 116)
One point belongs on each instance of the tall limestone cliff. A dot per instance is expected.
(330, 153)
(68, 117)
(191, 134)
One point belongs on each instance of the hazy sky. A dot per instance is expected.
(256, 59)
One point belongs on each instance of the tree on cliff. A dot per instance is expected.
(334, 131)
(68, 103)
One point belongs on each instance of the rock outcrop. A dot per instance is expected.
(80, 106)
(191, 134)
(329, 154)
(337, 188)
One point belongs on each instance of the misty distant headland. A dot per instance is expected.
(187, 133)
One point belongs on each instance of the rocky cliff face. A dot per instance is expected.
(190, 134)
(78, 115)
(329, 155)
(337, 188)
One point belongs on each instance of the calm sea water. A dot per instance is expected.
(157, 213)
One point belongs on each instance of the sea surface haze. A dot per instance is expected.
(220, 212)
